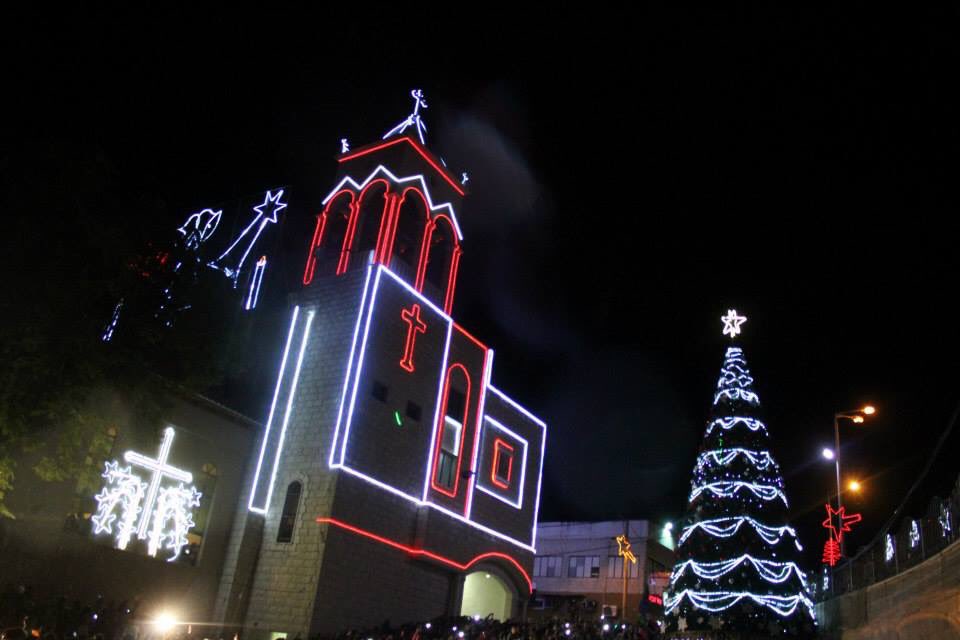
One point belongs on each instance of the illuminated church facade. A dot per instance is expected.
(394, 480)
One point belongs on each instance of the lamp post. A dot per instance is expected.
(857, 417)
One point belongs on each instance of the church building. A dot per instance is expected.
(391, 479)
(394, 480)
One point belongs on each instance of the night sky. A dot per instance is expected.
(633, 175)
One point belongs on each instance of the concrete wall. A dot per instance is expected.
(920, 603)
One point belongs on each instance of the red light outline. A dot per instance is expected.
(452, 279)
(421, 150)
(439, 432)
(396, 225)
(414, 325)
(497, 443)
(428, 554)
(310, 267)
(424, 255)
(354, 220)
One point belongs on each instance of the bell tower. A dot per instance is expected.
(390, 466)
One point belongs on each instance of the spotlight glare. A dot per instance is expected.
(827, 453)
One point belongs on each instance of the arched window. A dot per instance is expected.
(448, 457)
(372, 206)
(329, 236)
(412, 220)
(288, 517)
(442, 255)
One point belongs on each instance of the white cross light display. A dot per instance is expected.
(732, 322)
(139, 505)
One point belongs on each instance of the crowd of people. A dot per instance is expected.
(489, 629)
(25, 616)
(59, 618)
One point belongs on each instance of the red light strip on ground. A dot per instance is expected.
(497, 444)
(416, 147)
(428, 554)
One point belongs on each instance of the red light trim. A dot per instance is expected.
(396, 225)
(467, 334)
(497, 444)
(385, 235)
(655, 599)
(318, 232)
(429, 554)
(414, 326)
(452, 280)
(424, 255)
(354, 220)
(423, 153)
(439, 432)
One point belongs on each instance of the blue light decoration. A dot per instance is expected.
(735, 562)
(254, 294)
(267, 213)
(114, 321)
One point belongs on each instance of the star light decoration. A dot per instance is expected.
(732, 322)
(831, 550)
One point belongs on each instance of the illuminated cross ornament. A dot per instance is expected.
(413, 120)
(414, 326)
(732, 322)
(162, 515)
(831, 550)
(266, 214)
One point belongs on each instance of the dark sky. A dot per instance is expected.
(634, 174)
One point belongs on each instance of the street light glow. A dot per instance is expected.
(827, 453)
(869, 410)
(164, 622)
(857, 419)
(854, 486)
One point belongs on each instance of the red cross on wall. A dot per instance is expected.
(414, 326)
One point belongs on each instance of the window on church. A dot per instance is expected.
(449, 450)
(372, 206)
(379, 391)
(288, 517)
(502, 464)
(413, 410)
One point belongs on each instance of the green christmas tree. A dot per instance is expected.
(736, 556)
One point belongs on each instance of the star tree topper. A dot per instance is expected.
(732, 322)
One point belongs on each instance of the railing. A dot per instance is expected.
(894, 550)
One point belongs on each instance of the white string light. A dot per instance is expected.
(729, 423)
(727, 488)
(888, 550)
(726, 527)
(770, 570)
(732, 322)
(762, 460)
(716, 601)
(914, 534)
(736, 394)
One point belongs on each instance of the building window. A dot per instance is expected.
(615, 568)
(449, 452)
(379, 391)
(546, 567)
(584, 567)
(449, 447)
(413, 410)
(288, 517)
(502, 464)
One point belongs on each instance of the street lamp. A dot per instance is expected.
(857, 417)
(854, 486)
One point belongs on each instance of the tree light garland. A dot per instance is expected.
(762, 460)
(727, 488)
(726, 527)
(729, 423)
(716, 601)
(769, 570)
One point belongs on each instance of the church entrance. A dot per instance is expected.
(485, 593)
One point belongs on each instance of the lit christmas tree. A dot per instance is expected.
(736, 557)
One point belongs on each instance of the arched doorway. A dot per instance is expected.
(487, 592)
